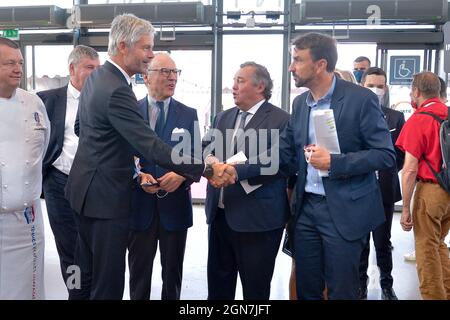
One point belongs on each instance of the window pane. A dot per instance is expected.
(52, 70)
(206, 2)
(17, 3)
(256, 5)
(238, 49)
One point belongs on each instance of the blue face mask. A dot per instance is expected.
(358, 75)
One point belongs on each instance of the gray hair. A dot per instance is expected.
(128, 28)
(9, 43)
(261, 75)
(81, 51)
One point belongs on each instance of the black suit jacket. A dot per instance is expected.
(111, 129)
(388, 179)
(55, 101)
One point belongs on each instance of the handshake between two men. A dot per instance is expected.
(219, 175)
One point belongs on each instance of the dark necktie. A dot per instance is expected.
(131, 86)
(161, 119)
(240, 129)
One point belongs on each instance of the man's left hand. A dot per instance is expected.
(170, 181)
(320, 158)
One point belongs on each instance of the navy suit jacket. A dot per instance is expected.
(352, 192)
(175, 208)
(55, 101)
(388, 179)
(100, 182)
(265, 208)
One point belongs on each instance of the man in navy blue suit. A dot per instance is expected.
(163, 213)
(62, 105)
(245, 225)
(337, 209)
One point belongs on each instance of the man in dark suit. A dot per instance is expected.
(245, 224)
(375, 80)
(340, 204)
(100, 183)
(164, 213)
(62, 105)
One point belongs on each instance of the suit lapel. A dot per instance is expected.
(59, 115)
(387, 116)
(262, 113)
(227, 123)
(172, 119)
(337, 100)
(303, 124)
(109, 66)
(143, 105)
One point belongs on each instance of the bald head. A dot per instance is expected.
(162, 77)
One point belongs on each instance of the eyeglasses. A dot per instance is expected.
(167, 72)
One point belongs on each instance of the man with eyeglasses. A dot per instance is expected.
(24, 136)
(161, 213)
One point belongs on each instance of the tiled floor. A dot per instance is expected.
(194, 278)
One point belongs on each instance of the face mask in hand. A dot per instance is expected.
(380, 94)
(358, 75)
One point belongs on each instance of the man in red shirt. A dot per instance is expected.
(419, 138)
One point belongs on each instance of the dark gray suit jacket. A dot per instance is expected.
(111, 130)
(265, 208)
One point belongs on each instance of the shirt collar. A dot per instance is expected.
(255, 108)
(127, 77)
(152, 101)
(428, 103)
(326, 98)
(13, 97)
(73, 91)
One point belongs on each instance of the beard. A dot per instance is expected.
(301, 82)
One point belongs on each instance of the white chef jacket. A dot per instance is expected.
(24, 137)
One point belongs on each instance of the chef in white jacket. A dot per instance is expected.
(24, 135)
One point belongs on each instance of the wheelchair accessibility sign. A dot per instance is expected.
(402, 69)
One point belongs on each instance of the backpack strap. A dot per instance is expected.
(439, 119)
(435, 174)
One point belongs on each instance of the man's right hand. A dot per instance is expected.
(224, 175)
(406, 219)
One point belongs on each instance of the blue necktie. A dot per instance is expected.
(159, 127)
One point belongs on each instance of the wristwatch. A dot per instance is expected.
(209, 171)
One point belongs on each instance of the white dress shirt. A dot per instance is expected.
(65, 160)
(251, 112)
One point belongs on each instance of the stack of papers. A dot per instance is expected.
(240, 157)
(326, 134)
